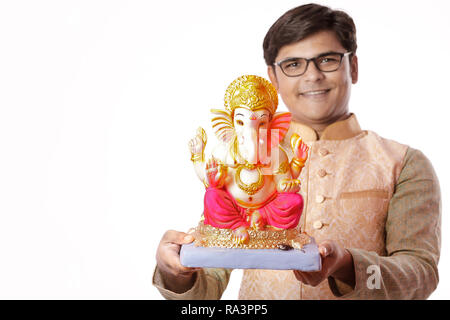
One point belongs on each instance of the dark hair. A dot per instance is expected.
(303, 21)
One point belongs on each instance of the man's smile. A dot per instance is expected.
(314, 93)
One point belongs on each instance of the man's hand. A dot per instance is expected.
(337, 262)
(177, 278)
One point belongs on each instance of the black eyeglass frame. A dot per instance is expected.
(314, 60)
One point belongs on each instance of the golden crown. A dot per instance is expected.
(251, 92)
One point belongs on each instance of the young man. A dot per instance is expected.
(372, 204)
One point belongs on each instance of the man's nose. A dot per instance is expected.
(312, 73)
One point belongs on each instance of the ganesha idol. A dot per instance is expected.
(252, 195)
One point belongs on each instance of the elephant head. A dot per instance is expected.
(249, 122)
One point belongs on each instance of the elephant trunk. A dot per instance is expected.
(253, 145)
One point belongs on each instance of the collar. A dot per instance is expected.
(340, 130)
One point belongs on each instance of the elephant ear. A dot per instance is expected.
(222, 124)
(279, 126)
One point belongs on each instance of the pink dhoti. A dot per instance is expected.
(222, 210)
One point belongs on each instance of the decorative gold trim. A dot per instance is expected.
(251, 188)
(251, 92)
(294, 182)
(197, 157)
(208, 236)
(222, 124)
(256, 206)
(296, 162)
(294, 138)
(200, 156)
(283, 168)
(202, 133)
(234, 152)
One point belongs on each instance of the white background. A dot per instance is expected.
(99, 98)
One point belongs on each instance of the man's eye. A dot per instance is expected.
(262, 123)
(328, 60)
(292, 65)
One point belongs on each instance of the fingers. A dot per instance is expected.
(289, 185)
(192, 146)
(201, 133)
(196, 144)
(295, 185)
(209, 165)
(304, 147)
(177, 237)
(309, 278)
(326, 248)
(299, 276)
(168, 253)
(212, 163)
(301, 149)
(211, 171)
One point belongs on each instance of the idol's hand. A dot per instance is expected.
(212, 168)
(299, 148)
(337, 262)
(197, 144)
(177, 277)
(289, 186)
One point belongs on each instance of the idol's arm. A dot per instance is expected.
(200, 171)
(300, 151)
(283, 176)
(197, 147)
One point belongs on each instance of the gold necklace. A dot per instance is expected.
(251, 188)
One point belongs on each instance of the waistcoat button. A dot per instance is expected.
(323, 152)
(321, 173)
(317, 224)
(320, 198)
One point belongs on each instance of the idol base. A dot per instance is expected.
(305, 259)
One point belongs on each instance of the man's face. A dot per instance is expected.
(316, 97)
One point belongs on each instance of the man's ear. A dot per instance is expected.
(272, 76)
(354, 69)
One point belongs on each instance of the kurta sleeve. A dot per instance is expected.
(413, 241)
(210, 284)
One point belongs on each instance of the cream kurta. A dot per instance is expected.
(375, 197)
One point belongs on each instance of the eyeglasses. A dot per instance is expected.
(325, 62)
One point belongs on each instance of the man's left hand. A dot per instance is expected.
(337, 262)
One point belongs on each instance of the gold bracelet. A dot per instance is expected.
(197, 157)
(223, 168)
(298, 163)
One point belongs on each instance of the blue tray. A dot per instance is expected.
(306, 259)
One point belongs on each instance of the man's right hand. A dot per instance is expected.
(176, 277)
